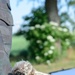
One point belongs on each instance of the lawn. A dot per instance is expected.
(64, 63)
(19, 43)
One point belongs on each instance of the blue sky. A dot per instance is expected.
(20, 10)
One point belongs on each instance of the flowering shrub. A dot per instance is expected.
(43, 39)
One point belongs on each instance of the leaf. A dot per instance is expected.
(71, 3)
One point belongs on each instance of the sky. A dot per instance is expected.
(19, 10)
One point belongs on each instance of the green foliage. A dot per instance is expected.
(71, 3)
(73, 40)
(43, 38)
(38, 16)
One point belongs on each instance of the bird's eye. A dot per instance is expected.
(19, 73)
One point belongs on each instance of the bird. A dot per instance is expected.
(25, 68)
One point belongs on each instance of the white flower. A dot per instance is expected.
(37, 57)
(60, 29)
(37, 26)
(50, 38)
(52, 47)
(32, 28)
(45, 43)
(67, 42)
(38, 41)
(65, 30)
(45, 54)
(48, 62)
(54, 23)
(50, 51)
(53, 27)
(42, 27)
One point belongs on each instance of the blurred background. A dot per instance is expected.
(44, 33)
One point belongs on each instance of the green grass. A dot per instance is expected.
(19, 43)
(65, 63)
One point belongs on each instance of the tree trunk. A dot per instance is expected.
(52, 13)
(52, 10)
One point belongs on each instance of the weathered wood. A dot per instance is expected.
(5, 37)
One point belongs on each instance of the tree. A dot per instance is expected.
(50, 13)
(52, 10)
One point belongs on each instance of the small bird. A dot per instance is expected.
(25, 68)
